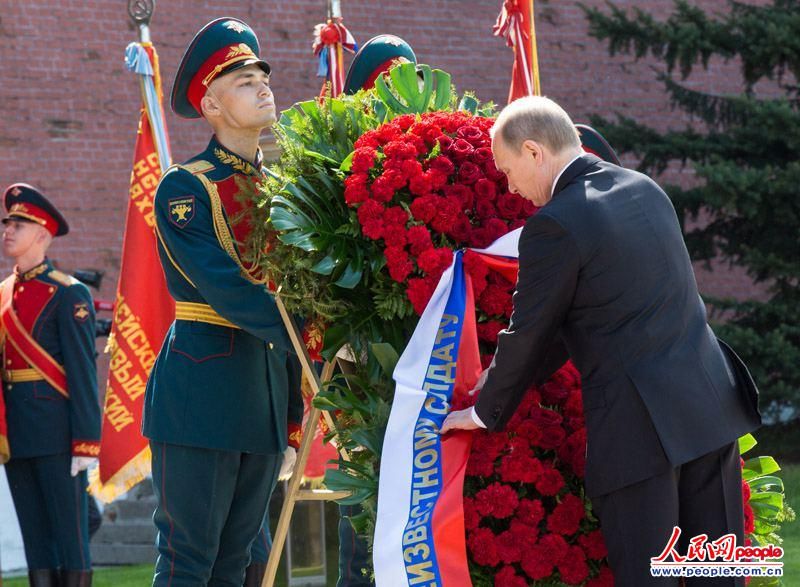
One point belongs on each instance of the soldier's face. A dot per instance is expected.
(245, 98)
(19, 236)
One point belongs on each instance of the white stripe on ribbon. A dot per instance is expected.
(394, 484)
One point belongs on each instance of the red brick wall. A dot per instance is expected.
(69, 106)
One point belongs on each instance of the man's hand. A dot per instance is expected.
(81, 464)
(287, 466)
(459, 420)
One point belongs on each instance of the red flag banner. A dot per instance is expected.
(143, 312)
(516, 25)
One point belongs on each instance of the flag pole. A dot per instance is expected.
(141, 12)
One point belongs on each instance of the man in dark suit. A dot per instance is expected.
(605, 279)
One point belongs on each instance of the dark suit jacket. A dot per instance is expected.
(604, 270)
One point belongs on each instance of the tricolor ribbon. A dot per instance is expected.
(419, 533)
(331, 39)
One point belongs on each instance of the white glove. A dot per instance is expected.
(287, 466)
(81, 464)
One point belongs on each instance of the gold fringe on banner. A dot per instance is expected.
(133, 472)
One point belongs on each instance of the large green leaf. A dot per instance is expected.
(405, 93)
(386, 356)
(746, 442)
(759, 466)
(309, 213)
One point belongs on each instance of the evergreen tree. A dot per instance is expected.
(744, 149)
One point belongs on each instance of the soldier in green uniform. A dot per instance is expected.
(50, 392)
(217, 401)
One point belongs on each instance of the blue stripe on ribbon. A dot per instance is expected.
(419, 553)
(322, 67)
(138, 61)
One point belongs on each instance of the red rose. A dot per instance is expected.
(443, 165)
(554, 547)
(368, 139)
(395, 215)
(537, 564)
(545, 418)
(486, 189)
(482, 547)
(436, 178)
(549, 482)
(530, 512)
(355, 189)
(405, 121)
(447, 211)
(462, 192)
(480, 238)
(370, 210)
(420, 185)
(528, 208)
(508, 578)
(493, 300)
(382, 189)
(461, 230)
(482, 155)
(485, 210)
(388, 133)
(419, 293)
(424, 208)
(509, 205)
(460, 150)
(519, 467)
(445, 143)
(525, 535)
(363, 159)
(488, 331)
(493, 173)
(477, 269)
(473, 135)
(372, 229)
(410, 168)
(529, 430)
(553, 392)
(593, 545)
(566, 517)
(399, 264)
(435, 261)
(552, 437)
(419, 240)
(394, 235)
(573, 569)
(496, 501)
(469, 173)
(497, 228)
(471, 516)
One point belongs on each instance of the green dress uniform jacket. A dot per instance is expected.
(221, 379)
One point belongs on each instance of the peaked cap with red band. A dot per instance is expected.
(222, 46)
(376, 56)
(26, 203)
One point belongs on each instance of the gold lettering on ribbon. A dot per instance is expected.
(144, 180)
(115, 411)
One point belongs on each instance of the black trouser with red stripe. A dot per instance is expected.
(51, 509)
(210, 507)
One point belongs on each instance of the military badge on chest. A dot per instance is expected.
(181, 210)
